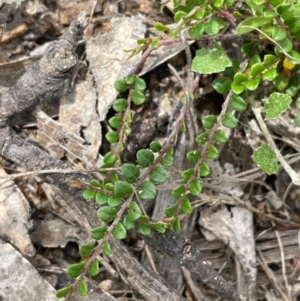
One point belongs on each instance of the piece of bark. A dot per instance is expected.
(177, 246)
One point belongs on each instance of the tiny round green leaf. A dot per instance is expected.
(204, 170)
(159, 174)
(221, 136)
(120, 105)
(122, 189)
(195, 187)
(115, 121)
(106, 250)
(186, 206)
(114, 201)
(178, 191)
(121, 85)
(98, 232)
(94, 269)
(119, 232)
(138, 97)
(202, 138)
(238, 103)
(229, 121)
(107, 213)
(145, 157)
(112, 137)
(74, 270)
(209, 121)
(86, 249)
(130, 172)
(176, 224)
(193, 156)
(155, 146)
(170, 211)
(147, 191)
(89, 193)
(139, 84)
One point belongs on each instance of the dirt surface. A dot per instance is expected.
(245, 223)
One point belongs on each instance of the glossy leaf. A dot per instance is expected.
(212, 152)
(202, 138)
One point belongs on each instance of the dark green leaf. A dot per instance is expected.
(94, 269)
(107, 213)
(155, 146)
(130, 172)
(119, 232)
(144, 157)
(221, 85)
(159, 174)
(147, 191)
(178, 191)
(86, 249)
(123, 189)
(74, 270)
(98, 232)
